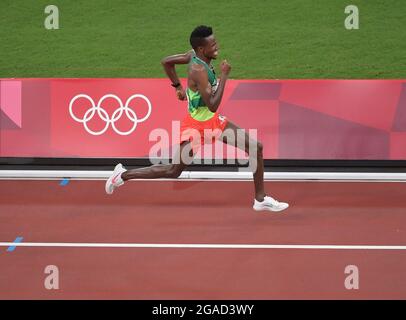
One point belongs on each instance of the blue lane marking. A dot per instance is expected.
(17, 240)
(64, 182)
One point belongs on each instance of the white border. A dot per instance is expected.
(212, 175)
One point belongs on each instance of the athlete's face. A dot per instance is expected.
(211, 48)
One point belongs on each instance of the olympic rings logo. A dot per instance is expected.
(102, 113)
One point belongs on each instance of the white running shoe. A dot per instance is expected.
(115, 180)
(269, 204)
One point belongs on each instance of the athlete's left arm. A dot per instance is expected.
(169, 64)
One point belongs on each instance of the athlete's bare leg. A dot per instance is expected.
(183, 158)
(245, 146)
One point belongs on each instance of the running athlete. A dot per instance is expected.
(203, 93)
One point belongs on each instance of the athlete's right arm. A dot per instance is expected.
(199, 75)
(169, 66)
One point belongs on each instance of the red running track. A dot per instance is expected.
(196, 212)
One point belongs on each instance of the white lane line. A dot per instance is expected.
(203, 246)
(216, 175)
(215, 180)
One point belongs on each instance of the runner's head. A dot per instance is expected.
(203, 42)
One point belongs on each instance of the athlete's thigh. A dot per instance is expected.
(237, 137)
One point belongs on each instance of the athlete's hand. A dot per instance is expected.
(180, 93)
(225, 67)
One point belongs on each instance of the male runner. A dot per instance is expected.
(204, 95)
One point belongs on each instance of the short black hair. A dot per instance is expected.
(199, 34)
